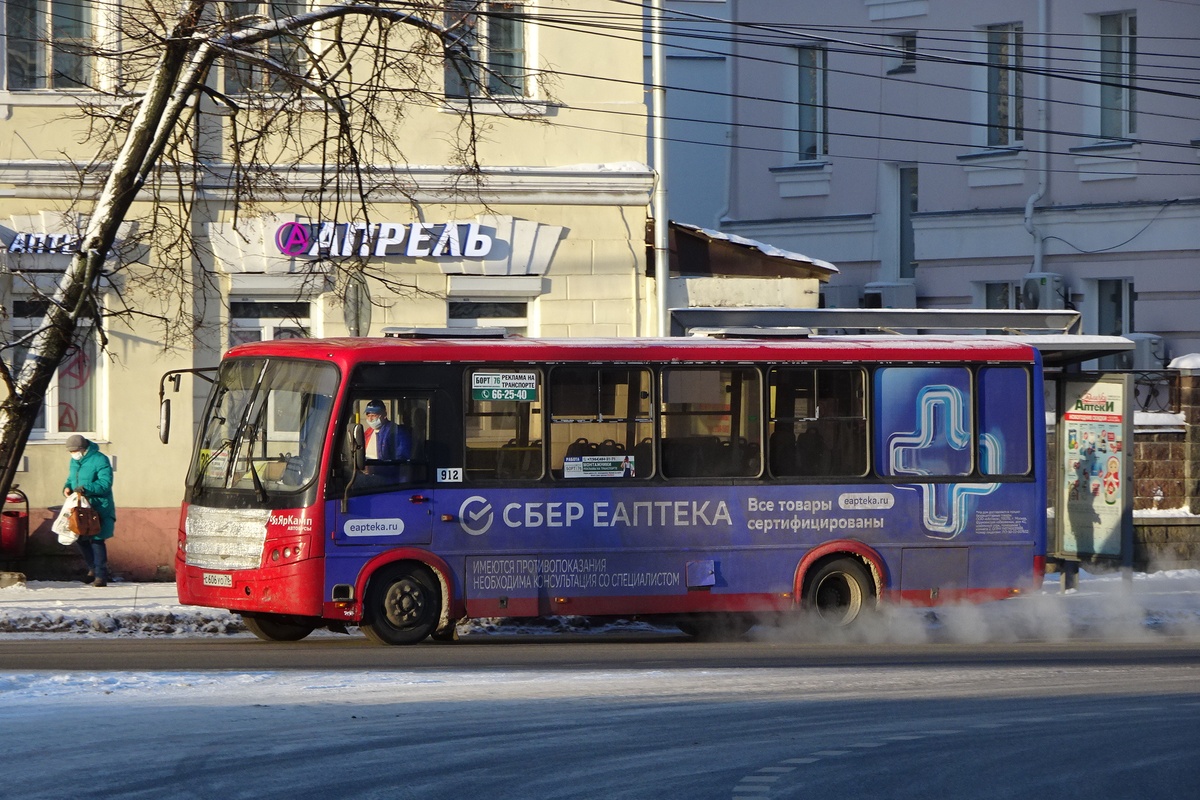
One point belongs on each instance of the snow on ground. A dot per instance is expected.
(1103, 607)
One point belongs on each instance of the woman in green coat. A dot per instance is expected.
(91, 473)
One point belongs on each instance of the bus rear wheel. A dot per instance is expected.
(839, 592)
(402, 605)
(276, 628)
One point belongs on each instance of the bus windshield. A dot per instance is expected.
(265, 425)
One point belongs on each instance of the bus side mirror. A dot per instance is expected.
(358, 447)
(358, 459)
(164, 420)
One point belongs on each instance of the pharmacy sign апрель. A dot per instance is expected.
(413, 239)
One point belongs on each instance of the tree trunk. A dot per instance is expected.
(177, 79)
(181, 69)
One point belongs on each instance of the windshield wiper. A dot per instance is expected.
(205, 463)
(250, 428)
(244, 427)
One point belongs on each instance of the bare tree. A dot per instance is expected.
(320, 92)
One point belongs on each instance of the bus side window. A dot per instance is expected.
(600, 423)
(842, 420)
(818, 422)
(1005, 447)
(503, 423)
(923, 418)
(396, 430)
(794, 443)
(711, 423)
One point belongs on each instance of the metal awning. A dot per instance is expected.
(1062, 350)
(1050, 331)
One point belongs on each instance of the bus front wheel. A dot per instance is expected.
(839, 592)
(276, 628)
(402, 605)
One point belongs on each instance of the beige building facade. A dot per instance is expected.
(548, 239)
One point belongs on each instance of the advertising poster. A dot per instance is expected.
(599, 467)
(1096, 478)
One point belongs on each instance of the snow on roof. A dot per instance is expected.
(1189, 361)
(766, 249)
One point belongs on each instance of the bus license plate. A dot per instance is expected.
(218, 579)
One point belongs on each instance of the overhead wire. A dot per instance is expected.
(899, 115)
(630, 27)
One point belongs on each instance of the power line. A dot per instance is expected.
(566, 22)
(898, 115)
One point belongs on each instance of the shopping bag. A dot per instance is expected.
(84, 520)
(62, 523)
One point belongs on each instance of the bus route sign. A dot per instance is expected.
(518, 386)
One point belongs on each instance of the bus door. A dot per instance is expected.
(388, 503)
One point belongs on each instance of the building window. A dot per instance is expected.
(1005, 60)
(1114, 307)
(1114, 315)
(49, 44)
(904, 45)
(71, 401)
(260, 320)
(908, 207)
(489, 58)
(512, 315)
(243, 77)
(1002, 294)
(813, 111)
(1118, 72)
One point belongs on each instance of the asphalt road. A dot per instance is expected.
(654, 717)
(562, 651)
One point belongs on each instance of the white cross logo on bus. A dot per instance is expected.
(944, 508)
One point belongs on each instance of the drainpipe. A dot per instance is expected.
(1043, 138)
(658, 111)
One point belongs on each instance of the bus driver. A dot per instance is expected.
(385, 440)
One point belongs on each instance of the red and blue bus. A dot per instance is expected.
(403, 485)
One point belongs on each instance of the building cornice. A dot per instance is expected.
(620, 184)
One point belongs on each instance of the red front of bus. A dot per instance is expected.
(286, 579)
(250, 531)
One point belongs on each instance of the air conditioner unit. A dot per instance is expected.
(841, 297)
(890, 295)
(1149, 352)
(1043, 290)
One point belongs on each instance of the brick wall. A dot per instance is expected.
(1166, 475)
(1159, 471)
